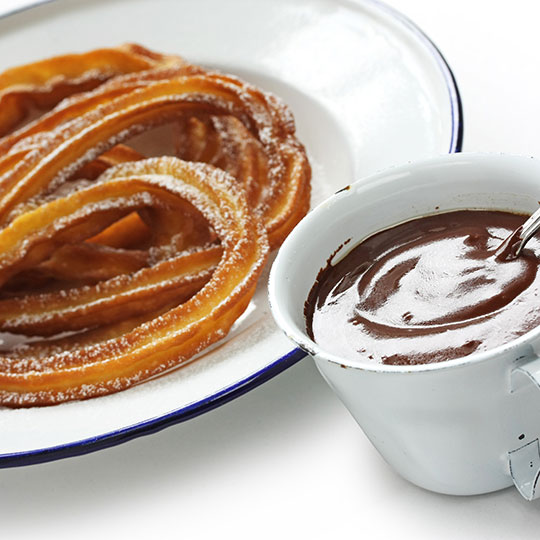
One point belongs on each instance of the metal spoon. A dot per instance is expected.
(528, 229)
(514, 244)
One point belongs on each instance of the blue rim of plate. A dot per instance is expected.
(148, 427)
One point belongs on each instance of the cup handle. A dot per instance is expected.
(525, 461)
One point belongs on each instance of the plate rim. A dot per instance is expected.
(237, 389)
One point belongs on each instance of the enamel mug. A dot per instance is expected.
(464, 426)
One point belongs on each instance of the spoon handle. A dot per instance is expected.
(527, 231)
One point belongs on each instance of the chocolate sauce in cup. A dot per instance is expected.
(428, 290)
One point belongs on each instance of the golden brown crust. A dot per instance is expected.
(159, 343)
(147, 260)
(45, 83)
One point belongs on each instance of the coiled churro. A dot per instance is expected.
(144, 262)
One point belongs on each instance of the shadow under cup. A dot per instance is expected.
(461, 427)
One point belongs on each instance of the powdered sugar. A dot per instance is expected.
(176, 332)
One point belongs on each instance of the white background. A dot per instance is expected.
(287, 460)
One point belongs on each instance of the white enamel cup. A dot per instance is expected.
(462, 427)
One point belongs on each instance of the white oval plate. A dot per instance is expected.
(368, 91)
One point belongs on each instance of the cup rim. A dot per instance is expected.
(302, 339)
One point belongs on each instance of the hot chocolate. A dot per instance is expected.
(428, 290)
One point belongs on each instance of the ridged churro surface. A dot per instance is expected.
(118, 266)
